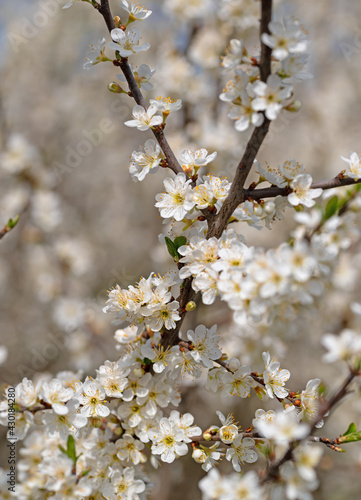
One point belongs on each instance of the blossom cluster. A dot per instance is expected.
(251, 99)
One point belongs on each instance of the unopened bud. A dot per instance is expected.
(207, 436)
(114, 87)
(269, 207)
(191, 306)
(260, 392)
(294, 106)
(258, 210)
(199, 456)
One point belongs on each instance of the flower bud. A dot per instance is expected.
(191, 306)
(269, 207)
(199, 456)
(258, 210)
(294, 106)
(114, 87)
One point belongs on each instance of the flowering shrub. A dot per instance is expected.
(94, 437)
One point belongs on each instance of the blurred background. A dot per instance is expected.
(86, 226)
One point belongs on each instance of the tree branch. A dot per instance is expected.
(274, 191)
(137, 95)
(237, 193)
(326, 408)
(217, 223)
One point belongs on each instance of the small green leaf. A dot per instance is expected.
(172, 250)
(71, 449)
(331, 207)
(62, 449)
(147, 361)
(12, 222)
(180, 241)
(350, 438)
(351, 429)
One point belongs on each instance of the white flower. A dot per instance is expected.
(208, 457)
(129, 449)
(274, 378)
(291, 169)
(204, 346)
(229, 430)
(241, 451)
(19, 154)
(239, 383)
(168, 441)
(144, 119)
(302, 194)
(214, 487)
(55, 394)
(91, 397)
(146, 160)
(310, 402)
(177, 201)
(272, 175)
(296, 486)
(94, 58)
(193, 160)
(236, 88)
(283, 428)
(26, 394)
(135, 11)
(285, 40)
(354, 166)
(127, 42)
(346, 347)
(63, 425)
(167, 105)
(123, 486)
(142, 75)
(270, 96)
(166, 315)
(244, 114)
(206, 282)
(262, 415)
(184, 423)
(307, 457)
(233, 56)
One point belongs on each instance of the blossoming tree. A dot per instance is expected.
(95, 438)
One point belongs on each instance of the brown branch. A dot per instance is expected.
(217, 223)
(273, 191)
(104, 10)
(236, 194)
(136, 93)
(273, 470)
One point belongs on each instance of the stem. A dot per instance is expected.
(271, 192)
(137, 95)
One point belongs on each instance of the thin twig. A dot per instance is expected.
(136, 93)
(274, 191)
(325, 409)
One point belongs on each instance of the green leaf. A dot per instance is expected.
(351, 429)
(350, 438)
(62, 449)
(147, 361)
(12, 222)
(180, 241)
(331, 207)
(172, 250)
(71, 449)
